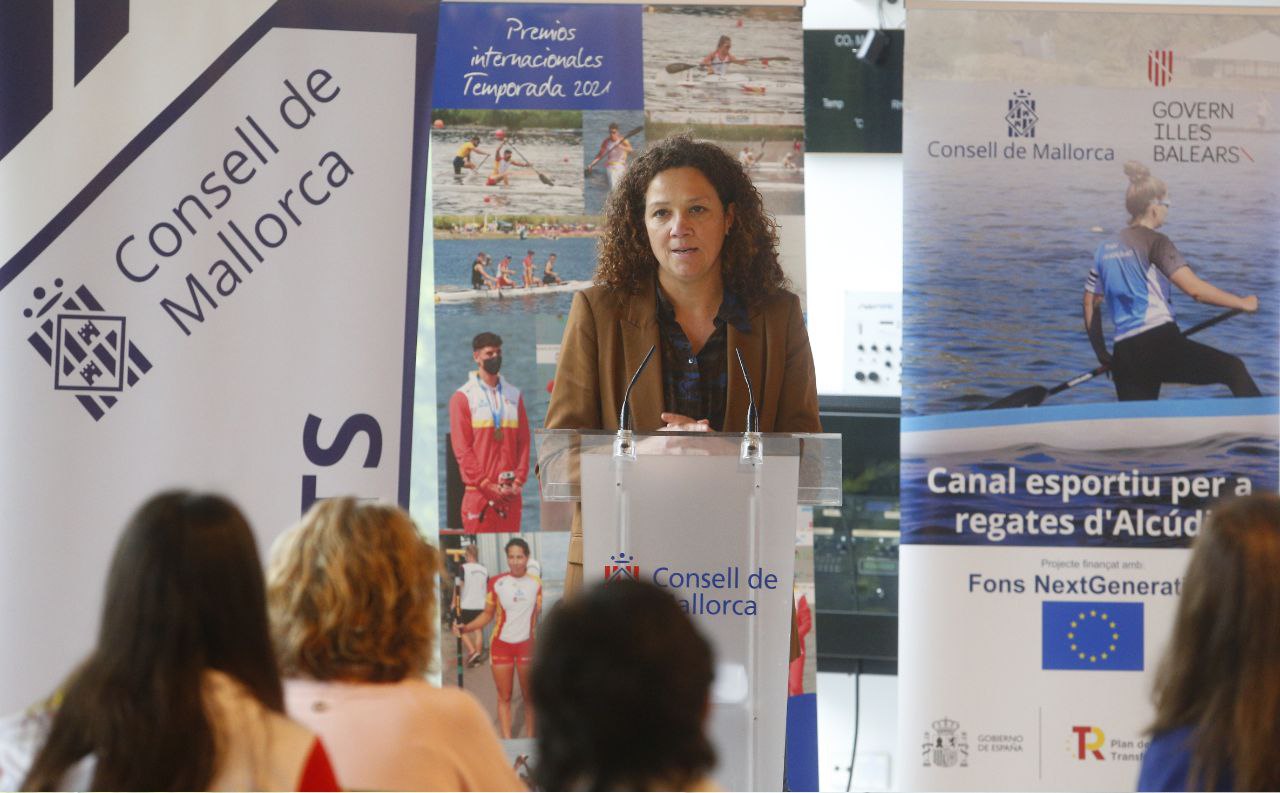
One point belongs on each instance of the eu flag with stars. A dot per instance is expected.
(1091, 635)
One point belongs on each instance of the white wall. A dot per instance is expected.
(876, 767)
(853, 242)
(853, 214)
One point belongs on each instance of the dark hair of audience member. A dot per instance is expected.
(1221, 671)
(621, 680)
(184, 594)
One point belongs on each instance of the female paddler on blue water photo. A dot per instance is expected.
(1132, 273)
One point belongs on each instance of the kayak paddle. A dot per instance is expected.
(586, 171)
(673, 68)
(1030, 397)
(545, 179)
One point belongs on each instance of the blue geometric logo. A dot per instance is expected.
(91, 355)
(1021, 117)
(1092, 635)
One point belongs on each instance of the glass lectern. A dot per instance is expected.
(712, 517)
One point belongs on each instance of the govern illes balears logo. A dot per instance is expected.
(1160, 67)
(1023, 119)
(88, 348)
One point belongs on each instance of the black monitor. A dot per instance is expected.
(855, 545)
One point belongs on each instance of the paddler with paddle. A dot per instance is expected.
(502, 166)
(1132, 274)
(614, 151)
(463, 158)
(718, 61)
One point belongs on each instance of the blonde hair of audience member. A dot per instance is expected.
(1221, 672)
(352, 594)
(352, 598)
(184, 597)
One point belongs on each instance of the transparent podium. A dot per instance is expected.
(712, 517)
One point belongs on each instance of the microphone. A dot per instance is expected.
(624, 415)
(624, 446)
(752, 452)
(753, 414)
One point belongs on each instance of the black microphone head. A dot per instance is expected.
(624, 413)
(753, 413)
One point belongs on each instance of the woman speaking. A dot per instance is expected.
(688, 263)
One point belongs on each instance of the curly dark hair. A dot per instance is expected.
(749, 259)
(621, 680)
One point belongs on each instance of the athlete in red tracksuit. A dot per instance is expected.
(490, 435)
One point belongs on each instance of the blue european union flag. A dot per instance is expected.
(1092, 635)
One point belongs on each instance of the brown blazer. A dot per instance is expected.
(606, 338)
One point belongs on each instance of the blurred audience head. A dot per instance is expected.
(352, 594)
(1221, 671)
(621, 680)
(184, 594)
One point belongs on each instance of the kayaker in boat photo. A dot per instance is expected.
(1131, 274)
(480, 278)
(463, 158)
(613, 150)
(502, 169)
(718, 61)
(504, 273)
(527, 265)
(549, 275)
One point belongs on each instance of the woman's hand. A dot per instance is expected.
(678, 423)
(1249, 304)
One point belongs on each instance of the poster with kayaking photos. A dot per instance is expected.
(1091, 333)
(538, 109)
(525, 572)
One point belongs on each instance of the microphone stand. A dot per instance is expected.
(624, 455)
(751, 459)
(624, 444)
(752, 443)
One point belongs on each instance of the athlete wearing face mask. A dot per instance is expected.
(490, 439)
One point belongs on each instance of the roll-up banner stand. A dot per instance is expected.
(538, 110)
(236, 255)
(1045, 522)
(211, 246)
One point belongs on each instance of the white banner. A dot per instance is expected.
(1072, 406)
(231, 304)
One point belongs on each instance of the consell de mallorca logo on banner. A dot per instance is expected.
(699, 591)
